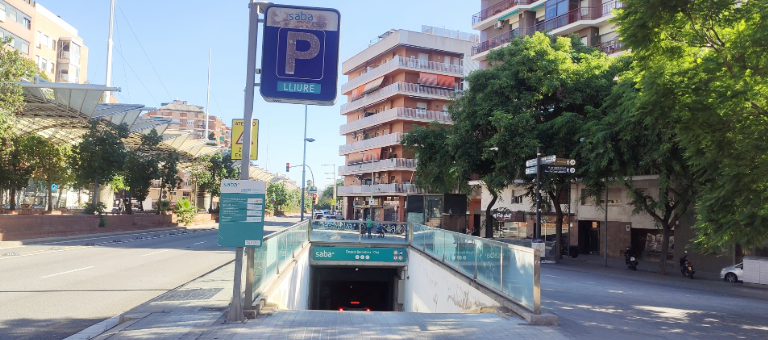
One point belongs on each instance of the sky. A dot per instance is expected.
(161, 54)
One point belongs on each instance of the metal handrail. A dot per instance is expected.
(498, 8)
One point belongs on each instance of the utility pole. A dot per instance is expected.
(537, 230)
(605, 237)
(107, 94)
(304, 166)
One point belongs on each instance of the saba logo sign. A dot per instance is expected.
(301, 16)
(229, 185)
(324, 254)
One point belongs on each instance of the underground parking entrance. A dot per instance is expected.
(352, 288)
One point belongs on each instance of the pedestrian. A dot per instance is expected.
(380, 231)
(369, 226)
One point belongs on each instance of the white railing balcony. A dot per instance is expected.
(382, 165)
(367, 144)
(393, 188)
(400, 62)
(397, 88)
(398, 113)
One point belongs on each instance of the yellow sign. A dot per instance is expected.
(237, 139)
(333, 201)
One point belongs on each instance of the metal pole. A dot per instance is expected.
(537, 229)
(236, 306)
(250, 251)
(207, 96)
(605, 237)
(304, 165)
(108, 81)
(334, 189)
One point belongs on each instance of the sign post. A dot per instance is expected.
(300, 55)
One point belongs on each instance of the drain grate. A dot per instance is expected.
(191, 294)
(211, 309)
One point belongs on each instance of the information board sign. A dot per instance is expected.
(359, 254)
(300, 55)
(241, 213)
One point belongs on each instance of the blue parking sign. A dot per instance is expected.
(300, 55)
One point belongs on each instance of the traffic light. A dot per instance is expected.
(314, 198)
(287, 167)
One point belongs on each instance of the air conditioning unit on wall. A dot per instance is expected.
(500, 24)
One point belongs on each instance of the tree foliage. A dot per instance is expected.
(702, 63)
(101, 154)
(47, 162)
(169, 173)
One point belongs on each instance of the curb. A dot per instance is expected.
(96, 330)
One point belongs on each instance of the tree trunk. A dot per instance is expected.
(128, 206)
(664, 249)
(58, 200)
(489, 217)
(210, 205)
(95, 192)
(12, 199)
(79, 199)
(558, 228)
(50, 199)
(34, 198)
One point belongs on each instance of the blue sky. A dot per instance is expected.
(176, 36)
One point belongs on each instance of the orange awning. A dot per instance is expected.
(445, 81)
(427, 79)
(373, 86)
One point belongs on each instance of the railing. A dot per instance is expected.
(407, 88)
(581, 13)
(393, 188)
(611, 46)
(608, 6)
(393, 114)
(359, 231)
(396, 62)
(277, 250)
(498, 8)
(376, 142)
(510, 270)
(455, 34)
(379, 165)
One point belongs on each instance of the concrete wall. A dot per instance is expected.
(431, 289)
(292, 290)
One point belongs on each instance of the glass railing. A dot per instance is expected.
(392, 188)
(359, 231)
(513, 271)
(498, 8)
(275, 253)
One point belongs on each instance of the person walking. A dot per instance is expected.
(369, 226)
(380, 231)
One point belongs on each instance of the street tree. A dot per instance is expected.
(169, 174)
(277, 195)
(101, 154)
(141, 168)
(16, 167)
(622, 144)
(220, 166)
(703, 64)
(47, 161)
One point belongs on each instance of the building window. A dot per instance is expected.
(52, 44)
(63, 76)
(76, 78)
(24, 48)
(26, 23)
(12, 15)
(189, 122)
(2, 14)
(75, 53)
(516, 197)
(421, 107)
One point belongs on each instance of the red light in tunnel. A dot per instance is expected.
(341, 309)
(355, 302)
(367, 309)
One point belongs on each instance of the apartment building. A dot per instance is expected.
(192, 120)
(499, 21)
(400, 80)
(45, 38)
(58, 50)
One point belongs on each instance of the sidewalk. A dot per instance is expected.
(196, 311)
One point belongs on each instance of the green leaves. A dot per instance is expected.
(101, 154)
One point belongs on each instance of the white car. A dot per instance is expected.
(732, 273)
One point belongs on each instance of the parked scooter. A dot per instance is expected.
(686, 267)
(629, 258)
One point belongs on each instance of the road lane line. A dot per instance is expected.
(67, 272)
(157, 252)
(198, 243)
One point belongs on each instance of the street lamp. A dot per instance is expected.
(371, 201)
(304, 165)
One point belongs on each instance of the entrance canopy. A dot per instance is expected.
(60, 112)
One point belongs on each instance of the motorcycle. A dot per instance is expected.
(686, 267)
(630, 260)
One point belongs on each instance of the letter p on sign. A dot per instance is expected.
(291, 54)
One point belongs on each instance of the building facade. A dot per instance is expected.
(401, 80)
(45, 38)
(192, 120)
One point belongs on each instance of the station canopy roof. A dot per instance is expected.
(60, 112)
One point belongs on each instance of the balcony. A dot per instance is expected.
(382, 165)
(393, 188)
(497, 9)
(376, 142)
(582, 13)
(397, 88)
(398, 113)
(502, 39)
(611, 46)
(400, 62)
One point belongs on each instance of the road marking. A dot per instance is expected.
(67, 272)
(157, 252)
(198, 243)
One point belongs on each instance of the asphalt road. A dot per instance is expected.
(54, 290)
(608, 303)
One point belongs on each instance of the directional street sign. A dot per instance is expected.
(312, 191)
(531, 170)
(564, 162)
(241, 219)
(544, 160)
(237, 139)
(300, 55)
(554, 169)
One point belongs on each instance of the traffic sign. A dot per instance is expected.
(564, 162)
(312, 191)
(54, 187)
(555, 169)
(544, 160)
(237, 139)
(531, 170)
(241, 213)
(300, 55)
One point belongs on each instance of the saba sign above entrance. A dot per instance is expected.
(300, 55)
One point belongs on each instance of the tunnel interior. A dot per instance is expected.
(353, 288)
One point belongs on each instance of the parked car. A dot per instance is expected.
(318, 215)
(330, 217)
(732, 273)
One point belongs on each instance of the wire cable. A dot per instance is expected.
(137, 76)
(221, 113)
(125, 74)
(145, 52)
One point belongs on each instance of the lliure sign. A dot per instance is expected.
(300, 55)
